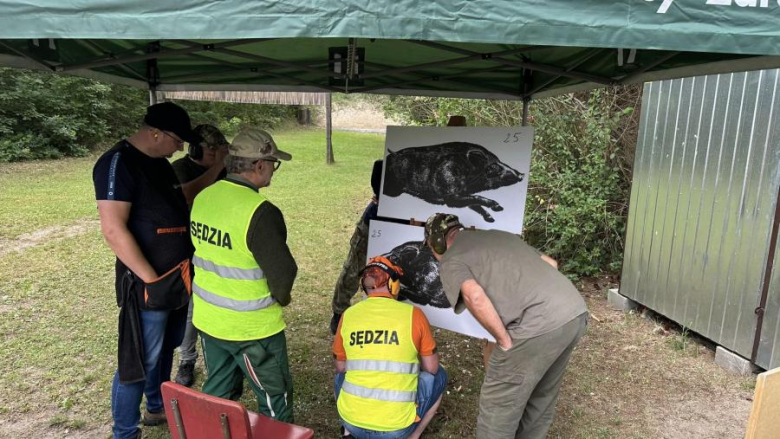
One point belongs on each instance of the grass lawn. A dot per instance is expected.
(44, 194)
(58, 318)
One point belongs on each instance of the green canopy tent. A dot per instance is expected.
(506, 49)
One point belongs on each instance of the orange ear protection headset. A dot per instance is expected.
(393, 272)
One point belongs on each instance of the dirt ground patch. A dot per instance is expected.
(358, 116)
(45, 235)
(45, 421)
(685, 417)
(630, 379)
(48, 425)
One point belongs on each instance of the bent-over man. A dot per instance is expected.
(534, 312)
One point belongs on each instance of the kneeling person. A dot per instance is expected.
(380, 346)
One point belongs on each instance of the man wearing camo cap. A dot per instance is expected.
(534, 312)
(244, 273)
(205, 161)
(202, 166)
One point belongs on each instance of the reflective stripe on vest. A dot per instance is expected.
(231, 304)
(229, 272)
(379, 394)
(383, 366)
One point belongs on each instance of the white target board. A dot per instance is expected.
(479, 174)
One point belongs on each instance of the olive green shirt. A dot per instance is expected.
(531, 297)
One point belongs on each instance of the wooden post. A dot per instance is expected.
(329, 130)
(764, 422)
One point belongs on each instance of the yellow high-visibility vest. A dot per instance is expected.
(231, 299)
(380, 387)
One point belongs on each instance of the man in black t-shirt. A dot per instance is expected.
(145, 220)
(205, 161)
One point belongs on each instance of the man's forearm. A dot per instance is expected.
(483, 310)
(126, 249)
(491, 322)
(430, 363)
(553, 263)
(267, 242)
(281, 287)
(279, 267)
(192, 188)
(280, 271)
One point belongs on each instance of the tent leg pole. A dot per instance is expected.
(526, 101)
(328, 130)
(152, 73)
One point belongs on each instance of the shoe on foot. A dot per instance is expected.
(334, 323)
(186, 374)
(152, 419)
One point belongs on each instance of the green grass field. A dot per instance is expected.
(58, 312)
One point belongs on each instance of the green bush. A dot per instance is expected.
(580, 177)
(579, 185)
(45, 115)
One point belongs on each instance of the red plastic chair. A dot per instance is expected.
(195, 415)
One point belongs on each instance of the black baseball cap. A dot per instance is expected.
(168, 116)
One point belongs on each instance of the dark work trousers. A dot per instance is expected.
(349, 279)
(263, 362)
(521, 385)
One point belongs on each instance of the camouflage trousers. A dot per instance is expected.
(349, 279)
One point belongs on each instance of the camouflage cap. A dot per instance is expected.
(436, 228)
(212, 136)
(253, 143)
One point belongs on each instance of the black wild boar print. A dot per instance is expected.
(420, 282)
(449, 174)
